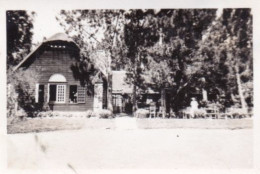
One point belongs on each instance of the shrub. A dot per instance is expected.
(103, 113)
(200, 112)
(20, 115)
(141, 113)
(20, 92)
(89, 113)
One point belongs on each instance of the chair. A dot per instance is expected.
(161, 112)
(152, 111)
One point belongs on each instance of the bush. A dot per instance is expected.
(200, 113)
(103, 113)
(141, 113)
(89, 113)
(20, 92)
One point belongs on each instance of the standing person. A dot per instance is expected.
(194, 106)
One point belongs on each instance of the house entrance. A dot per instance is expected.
(122, 103)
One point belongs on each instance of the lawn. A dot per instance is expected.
(54, 124)
(195, 123)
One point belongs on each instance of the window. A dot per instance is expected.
(60, 94)
(57, 93)
(73, 94)
(81, 94)
(77, 94)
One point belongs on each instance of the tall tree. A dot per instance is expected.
(121, 34)
(141, 32)
(19, 35)
(181, 31)
(227, 51)
(95, 30)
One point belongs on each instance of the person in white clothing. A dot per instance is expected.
(194, 106)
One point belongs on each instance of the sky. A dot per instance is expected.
(45, 25)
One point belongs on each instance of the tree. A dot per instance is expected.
(140, 32)
(170, 46)
(95, 30)
(227, 51)
(122, 33)
(19, 35)
(181, 31)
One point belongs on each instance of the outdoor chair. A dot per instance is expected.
(186, 113)
(212, 111)
(172, 114)
(161, 112)
(152, 111)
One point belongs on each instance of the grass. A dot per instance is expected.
(55, 124)
(195, 123)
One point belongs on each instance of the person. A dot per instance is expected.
(194, 106)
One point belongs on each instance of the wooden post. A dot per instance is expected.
(163, 104)
(109, 92)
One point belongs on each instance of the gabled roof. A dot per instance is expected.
(118, 83)
(56, 37)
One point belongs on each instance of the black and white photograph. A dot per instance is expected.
(103, 89)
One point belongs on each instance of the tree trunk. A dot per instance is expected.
(240, 90)
(163, 102)
(135, 81)
(134, 98)
(109, 92)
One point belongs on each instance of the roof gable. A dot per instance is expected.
(59, 37)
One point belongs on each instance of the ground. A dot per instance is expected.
(58, 123)
(134, 147)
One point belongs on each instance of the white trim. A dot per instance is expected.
(57, 78)
(48, 93)
(37, 93)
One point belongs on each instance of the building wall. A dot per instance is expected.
(51, 61)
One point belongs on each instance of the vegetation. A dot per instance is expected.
(185, 50)
(19, 35)
(181, 49)
(21, 94)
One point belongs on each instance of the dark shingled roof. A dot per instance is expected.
(56, 37)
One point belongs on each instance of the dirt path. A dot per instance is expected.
(78, 150)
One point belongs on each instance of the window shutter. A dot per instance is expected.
(81, 94)
(37, 93)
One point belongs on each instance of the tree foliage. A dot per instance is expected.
(181, 49)
(21, 85)
(19, 35)
(226, 51)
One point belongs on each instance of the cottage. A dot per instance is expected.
(121, 92)
(56, 84)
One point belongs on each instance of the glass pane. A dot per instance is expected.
(81, 94)
(60, 93)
